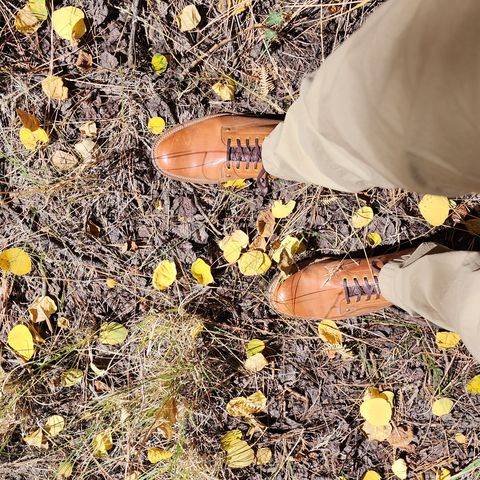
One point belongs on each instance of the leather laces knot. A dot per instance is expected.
(248, 155)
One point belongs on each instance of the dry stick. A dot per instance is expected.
(131, 45)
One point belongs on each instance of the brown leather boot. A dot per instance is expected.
(332, 289)
(213, 149)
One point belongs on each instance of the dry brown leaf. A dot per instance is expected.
(246, 406)
(401, 437)
(265, 223)
(166, 418)
(87, 149)
(255, 363)
(64, 161)
(88, 129)
(259, 243)
(377, 433)
(84, 61)
(42, 309)
(264, 455)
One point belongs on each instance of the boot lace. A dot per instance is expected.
(368, 289)
(247, 154)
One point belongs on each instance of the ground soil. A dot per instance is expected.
(77, 226)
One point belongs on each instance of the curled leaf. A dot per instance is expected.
(374, 239)
(226, 91)
(102, 444)
(31, 16)
(246, 406)
(36, 439)
(42, 309)
(202, 272)
(328, 331)
(159, 63)
(156, 455)
(290, 245)
(265, 223)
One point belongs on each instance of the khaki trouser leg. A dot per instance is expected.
(440, 285)
(397, 104)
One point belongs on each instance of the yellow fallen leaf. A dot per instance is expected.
(88, 129)
(159, 63)
(233, 7)
(53, 88)
(389, 396)
(31, 16)
(16, 261)
(54, 425)
(376, 411)
(112, 333)
(245, 406)
(20, 340)
(133, 476)
(461, 438)
(442, 406)
(362, 217)
(374, 239)
(377, 433)
(202, 272)
(289, 244)
(68, 23)
(474, 385)
(263, 456)
(443, 474)
(434, 209)
(197, 329)
(63, 322)
(97, 371)
(42, 309)
(102, 444)
(254, 262)
(447, 340)
(64, 470)
(188, 19)
(329, 332)
(64, 161)
(36, 439)
(31, 138)
(71, 377)
(371, 475)
(238, 183)
(254, 346)
(400, 469)
(279, 210)
(111, 283)
(255, 363)
(240, 455)
(164, 275)
(233, 244)
(230, 438)
(156, 455)
(226, 91)
(156, 125)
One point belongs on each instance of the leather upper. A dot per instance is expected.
(319, 290)
(197, 151)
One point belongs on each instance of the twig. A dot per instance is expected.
(131, 45)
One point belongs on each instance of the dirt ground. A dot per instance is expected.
(117, 217)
